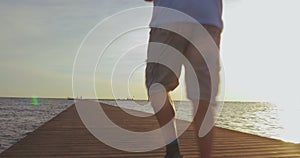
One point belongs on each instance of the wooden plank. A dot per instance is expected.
(66, 136)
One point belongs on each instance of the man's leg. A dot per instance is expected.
(203, 112)
(160, 80)
(205, 143)
(162, 72)
(166, 117)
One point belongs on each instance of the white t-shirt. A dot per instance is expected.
(202, 11)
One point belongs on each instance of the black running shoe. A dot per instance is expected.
(173, 155)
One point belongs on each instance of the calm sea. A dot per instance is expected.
(20, 116)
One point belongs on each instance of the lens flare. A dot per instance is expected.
(35, 101)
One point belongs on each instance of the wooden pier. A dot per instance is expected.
(66, 136)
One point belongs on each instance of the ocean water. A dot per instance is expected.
(19, 116)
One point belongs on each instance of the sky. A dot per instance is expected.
(40, 41)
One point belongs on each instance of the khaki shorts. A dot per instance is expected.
(159, 73)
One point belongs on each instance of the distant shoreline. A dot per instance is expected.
(110, 99)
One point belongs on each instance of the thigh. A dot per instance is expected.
(163, 64)
(200, 69)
